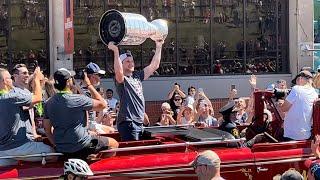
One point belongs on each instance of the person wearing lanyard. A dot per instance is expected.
(13, 138)
(66, 113)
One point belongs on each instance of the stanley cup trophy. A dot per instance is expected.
(130, 29)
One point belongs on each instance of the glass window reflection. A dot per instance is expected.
(206, 37)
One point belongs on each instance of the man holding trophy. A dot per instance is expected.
(118, 28)
(129, 88)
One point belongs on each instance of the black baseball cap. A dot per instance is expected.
(62, 75)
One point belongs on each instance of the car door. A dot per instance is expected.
(237, 163)
(273, 159)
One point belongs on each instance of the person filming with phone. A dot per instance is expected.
(204, 114)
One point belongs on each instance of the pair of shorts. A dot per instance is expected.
(26, 149)
(97, 143)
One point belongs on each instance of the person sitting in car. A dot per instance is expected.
(240, 108)
(66, 113)
(228, 114)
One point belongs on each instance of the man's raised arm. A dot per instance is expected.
(117, 64)
(154, 65)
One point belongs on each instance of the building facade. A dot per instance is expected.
(211, 44)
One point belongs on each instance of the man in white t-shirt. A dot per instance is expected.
(111, 100)
(298, 105)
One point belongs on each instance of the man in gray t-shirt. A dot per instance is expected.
(67, 115)
(13, 139)
(12, 119)
(129, 87)
(21, 78)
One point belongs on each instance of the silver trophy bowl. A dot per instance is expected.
(129, 28)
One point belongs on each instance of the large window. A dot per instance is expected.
(205, 36)
(24, 34)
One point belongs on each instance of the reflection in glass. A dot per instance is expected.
(205, 36)
(4, 34)
(228, 40)
(29, 17)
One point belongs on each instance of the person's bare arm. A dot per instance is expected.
(171, 120)
(250, 108)
(181, 93)
(36, 136)
(253, 82)
(232, 94)
(117, 64)
(37, 94)
(48, 130)
(155, 63)
(284, 106)
(98, 102)
(146, 120)
(180, 115)
(100, 117)
(170, 94)
(174, 89)
(203, 95)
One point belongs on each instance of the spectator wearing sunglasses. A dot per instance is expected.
(21, 79)
(177, 102)
(176, 90)
(129, 87)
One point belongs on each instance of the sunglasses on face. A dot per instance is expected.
(177, 100)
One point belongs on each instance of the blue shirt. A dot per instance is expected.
(132, 104)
